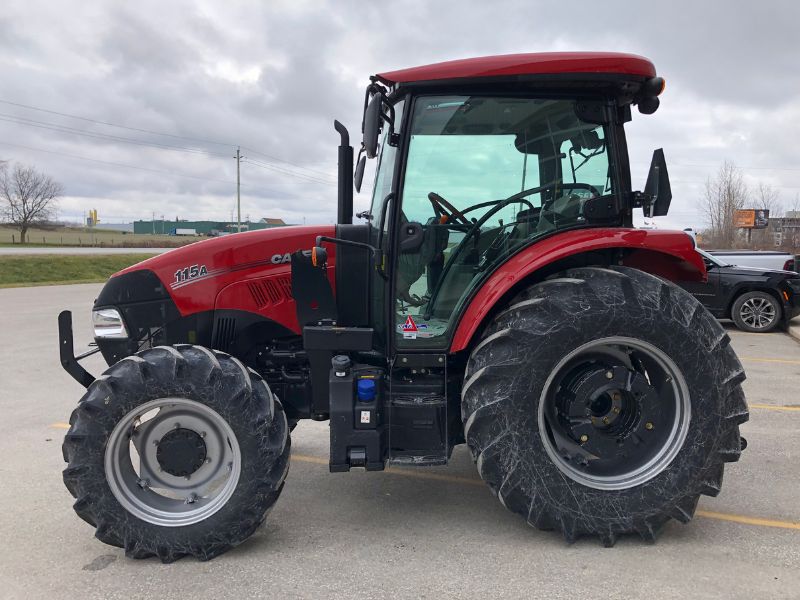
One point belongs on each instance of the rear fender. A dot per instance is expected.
(667, 254)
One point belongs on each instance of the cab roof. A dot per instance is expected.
(542, 63)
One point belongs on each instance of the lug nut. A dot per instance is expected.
(155, 442)
(188, 477)
(616, 409)
(202, 434)
(605, 420)
(177, 425)
(609, 374)
(208, 460)
(191, 498)
(584, 438)
(648, 425)
(143, 483)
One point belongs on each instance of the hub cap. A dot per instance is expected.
(614, 413)
(757, 313)
(172, 462)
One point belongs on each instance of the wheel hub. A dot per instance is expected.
(603, 409)
(181, 452)
(614, 413)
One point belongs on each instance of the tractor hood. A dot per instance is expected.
(195, 276)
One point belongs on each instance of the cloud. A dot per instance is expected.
(271, 77)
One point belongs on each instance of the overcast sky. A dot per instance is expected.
(272, 76)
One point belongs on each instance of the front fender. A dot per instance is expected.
(669, 254)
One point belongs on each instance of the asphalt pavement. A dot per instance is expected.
(403, 533)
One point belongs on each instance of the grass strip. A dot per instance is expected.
(61, 269)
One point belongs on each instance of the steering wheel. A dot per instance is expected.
(476, 227)
(443, 208)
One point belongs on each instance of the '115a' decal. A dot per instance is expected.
(188, 273)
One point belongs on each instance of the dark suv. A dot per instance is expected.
(758, 300)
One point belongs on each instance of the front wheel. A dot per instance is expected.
(603, 402)
(176, 451)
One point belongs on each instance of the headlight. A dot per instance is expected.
(108, 323)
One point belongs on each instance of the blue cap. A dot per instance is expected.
(366, 390)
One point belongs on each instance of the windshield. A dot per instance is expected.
(712, 259)
(485, 175)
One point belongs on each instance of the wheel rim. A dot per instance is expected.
(172, 462)
(757, 313)
(614, 413)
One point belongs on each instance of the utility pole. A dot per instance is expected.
(238, 158)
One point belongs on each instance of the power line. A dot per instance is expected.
(61, 114)
(312, 172)
(288, 162)
(743, 167)
(310, 176)
(115, 164)
(101, 136)
(279, 169)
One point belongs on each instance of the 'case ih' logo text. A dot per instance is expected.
(279, 259)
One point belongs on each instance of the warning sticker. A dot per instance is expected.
(410, 328)
(365, 416)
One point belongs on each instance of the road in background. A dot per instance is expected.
(425, 533)
(19, 250)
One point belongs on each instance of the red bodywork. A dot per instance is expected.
(669, 254)
(545, 63)
(241, 274)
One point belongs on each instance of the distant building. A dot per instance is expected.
(273, 222)
(786, 229)
(125, 227)
(207, 228)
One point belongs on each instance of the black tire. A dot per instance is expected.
(214, 379)
(756, 312)
(508, 369)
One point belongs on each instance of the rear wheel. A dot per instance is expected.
(603, 402)
(176, 451)
(756, 312)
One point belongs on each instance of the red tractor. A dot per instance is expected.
(496, 293)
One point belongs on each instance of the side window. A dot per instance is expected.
(585, 160)
(384, 176)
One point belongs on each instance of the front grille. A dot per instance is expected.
(224, 332)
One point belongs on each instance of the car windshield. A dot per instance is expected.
(713, 259)
(484, 176)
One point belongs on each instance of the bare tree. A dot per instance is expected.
(724, 195)
(29, 197)
(766, 197)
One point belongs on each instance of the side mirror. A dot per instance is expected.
(372, 125)
(358, 177)
(411, 236)
(657, 189)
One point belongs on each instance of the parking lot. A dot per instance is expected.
(433, 533)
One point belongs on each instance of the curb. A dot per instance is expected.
(794, 329)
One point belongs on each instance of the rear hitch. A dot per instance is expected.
(67, 351)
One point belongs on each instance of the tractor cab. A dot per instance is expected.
(476, 161)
